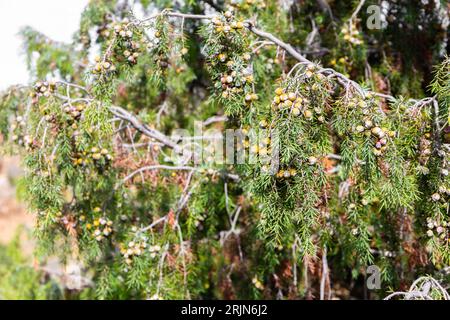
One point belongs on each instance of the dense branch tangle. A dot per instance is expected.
(368, 123)
(252, 27)
(348, 159)
(365, 100)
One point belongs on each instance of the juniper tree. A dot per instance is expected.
(348, 134)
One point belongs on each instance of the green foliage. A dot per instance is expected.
(337, 171)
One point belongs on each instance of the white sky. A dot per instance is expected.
(58, 19)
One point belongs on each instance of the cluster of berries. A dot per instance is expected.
(351, 34)
(439, 229)
(263, 148)
(137, 248)
(292, 172)
(101, 154)
(43, 89)
(244, 141)
(236, 75)
(425, 146)
(270, 63)
(102, 227)
(122, 29)
(380, 135)
(309, 71)
(133, 249)
(130, 52)
(258, 144)
(295, 104)
(257, 283)
(104, 30)
(342, 61)
(442, 194)
(226, 23)
(74, 112)
(105, 67)
(263, 124)
(286, 173)
(232, 83)
(397, 16)
(128, 49)
(210, 175)
(100, 157)
(162, 58)
(251, 97)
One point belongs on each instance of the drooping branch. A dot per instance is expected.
(123, 114)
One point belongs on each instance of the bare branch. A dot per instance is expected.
(157, 167)
(214, 119)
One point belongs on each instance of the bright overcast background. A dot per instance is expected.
(58, 19)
